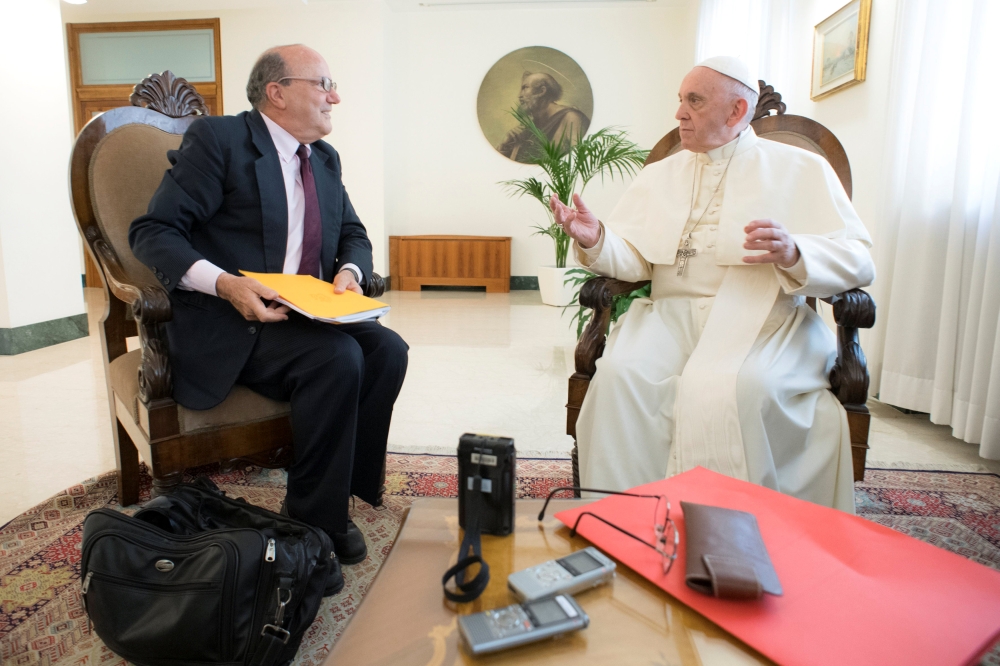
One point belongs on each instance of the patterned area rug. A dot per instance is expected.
(956, 511)
(42, 620)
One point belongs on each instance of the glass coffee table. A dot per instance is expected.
(405, 620)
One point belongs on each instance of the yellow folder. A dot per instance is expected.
(316, 300)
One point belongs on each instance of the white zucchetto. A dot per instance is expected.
(734, 68)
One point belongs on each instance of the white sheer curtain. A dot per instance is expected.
(755, 30)
(938, 239)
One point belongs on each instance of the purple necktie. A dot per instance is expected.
(312, 228)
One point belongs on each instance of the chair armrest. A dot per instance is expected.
(374, 286)
(598, 294)
(852, 310)
(151, 309)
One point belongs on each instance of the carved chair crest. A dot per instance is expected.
(169, 94)
(768, 101)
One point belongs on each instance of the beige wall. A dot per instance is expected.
(441, 171)
(39, 244)
(856, 115)
(350, 36)
(415, 160)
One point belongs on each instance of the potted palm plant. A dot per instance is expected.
(569, 166)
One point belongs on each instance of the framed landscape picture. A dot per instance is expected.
(840, 49)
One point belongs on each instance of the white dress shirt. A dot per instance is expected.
(203, 274)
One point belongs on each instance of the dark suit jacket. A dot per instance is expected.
(224, 200)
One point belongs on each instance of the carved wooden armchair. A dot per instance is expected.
(117, 164)
(852, 309)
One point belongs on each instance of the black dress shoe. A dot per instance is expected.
(349, 546)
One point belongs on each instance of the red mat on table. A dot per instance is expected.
(854, 592)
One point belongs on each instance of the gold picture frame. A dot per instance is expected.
(840, 49)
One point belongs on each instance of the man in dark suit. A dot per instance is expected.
(262, 192)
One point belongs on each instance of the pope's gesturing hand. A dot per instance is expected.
(579, 223)
(774, 238)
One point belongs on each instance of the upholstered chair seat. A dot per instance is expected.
(241, 406)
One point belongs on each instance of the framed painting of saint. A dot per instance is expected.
(546, 85)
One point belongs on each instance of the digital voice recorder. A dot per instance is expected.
(568, 575)
(515, 625)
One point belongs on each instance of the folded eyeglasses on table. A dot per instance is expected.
(666, 540)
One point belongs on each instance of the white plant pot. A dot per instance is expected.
(551, 284)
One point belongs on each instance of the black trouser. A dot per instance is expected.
(341, 381)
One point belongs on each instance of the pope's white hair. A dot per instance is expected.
(739, 90)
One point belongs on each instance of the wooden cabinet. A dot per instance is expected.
(458, 261)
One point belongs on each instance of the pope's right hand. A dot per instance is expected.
(245, 294)
(579, 223)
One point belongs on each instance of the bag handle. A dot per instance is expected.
(274, 637)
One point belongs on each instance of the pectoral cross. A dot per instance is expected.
(683, 254)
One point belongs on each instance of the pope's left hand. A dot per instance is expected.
(344, 281)
(774, 238)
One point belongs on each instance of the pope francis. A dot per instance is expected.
(725, 366)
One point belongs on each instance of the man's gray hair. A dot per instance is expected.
(270, 67)
(553, 91)
(739, 90)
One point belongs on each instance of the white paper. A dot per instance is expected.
(346, 319)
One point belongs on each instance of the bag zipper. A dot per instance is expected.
(315, 531)
(128, 536)
(131, 538)
(149, 585)
(263, 583)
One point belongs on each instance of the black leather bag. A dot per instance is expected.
(199, 578)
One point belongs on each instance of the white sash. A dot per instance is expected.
(707, 421)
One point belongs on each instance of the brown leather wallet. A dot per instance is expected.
(726, 556)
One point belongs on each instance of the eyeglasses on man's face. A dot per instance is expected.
(323, 82)
(666, 537)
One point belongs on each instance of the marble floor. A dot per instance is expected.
(493, 363)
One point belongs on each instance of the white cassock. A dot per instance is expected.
(725, 366)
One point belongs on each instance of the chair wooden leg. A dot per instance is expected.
(578, 385)
(859, 421)
(164, 484)
(858, 454)
(575, 455)
(127, 458)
